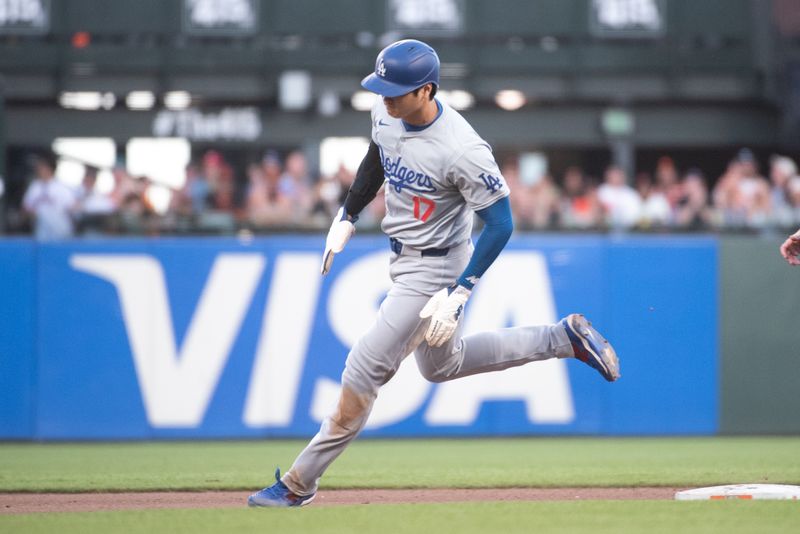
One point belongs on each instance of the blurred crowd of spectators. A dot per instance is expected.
(276, 195)
(282, 194)
(742, 199)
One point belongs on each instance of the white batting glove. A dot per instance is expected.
(444, 310)
(342, 229)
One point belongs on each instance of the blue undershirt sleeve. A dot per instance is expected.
(498, 226)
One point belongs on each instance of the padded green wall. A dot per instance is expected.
(760, 338)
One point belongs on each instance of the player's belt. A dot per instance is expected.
(401, 249)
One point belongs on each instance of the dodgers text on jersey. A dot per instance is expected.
(401, 177)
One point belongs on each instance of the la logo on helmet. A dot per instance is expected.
(381, 69)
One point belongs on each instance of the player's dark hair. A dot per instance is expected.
(430, 96)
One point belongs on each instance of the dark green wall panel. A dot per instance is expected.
(760, 338)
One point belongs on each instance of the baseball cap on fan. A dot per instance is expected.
(402, 67)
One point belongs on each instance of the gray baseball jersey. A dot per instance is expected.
(436, 177)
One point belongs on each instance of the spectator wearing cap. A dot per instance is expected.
(50, 202)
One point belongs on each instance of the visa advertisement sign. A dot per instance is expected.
(179, 338)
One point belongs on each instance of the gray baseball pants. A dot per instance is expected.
(397, 332)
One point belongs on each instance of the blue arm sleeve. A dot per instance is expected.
(498, 226)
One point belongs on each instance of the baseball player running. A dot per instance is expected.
(437, 172)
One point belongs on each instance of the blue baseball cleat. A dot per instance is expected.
(278, 496)
(590, 347)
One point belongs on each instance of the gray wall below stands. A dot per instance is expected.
(760, 345)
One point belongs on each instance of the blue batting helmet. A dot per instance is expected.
(402, 67)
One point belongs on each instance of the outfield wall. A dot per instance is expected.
(212, 338)
(760, 322)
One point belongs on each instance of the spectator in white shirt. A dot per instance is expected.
(656, 211)
(621, 203)
(50, 202)
(96, 208)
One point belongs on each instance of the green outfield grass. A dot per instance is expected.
(542, 462)
(591, 517)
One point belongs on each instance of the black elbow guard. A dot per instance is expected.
(369, 179)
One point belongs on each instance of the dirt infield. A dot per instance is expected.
(23, 503)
